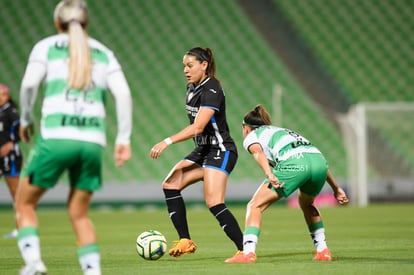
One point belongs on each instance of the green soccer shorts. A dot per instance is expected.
(304, 171)
(51, 157)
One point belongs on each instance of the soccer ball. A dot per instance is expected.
(151, 245)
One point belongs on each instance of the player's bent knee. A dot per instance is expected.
(253, 206)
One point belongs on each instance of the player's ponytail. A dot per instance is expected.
(211, 69)
(72, 16)
(257, 117)
(80, 65)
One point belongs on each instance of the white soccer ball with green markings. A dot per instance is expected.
(151, 245)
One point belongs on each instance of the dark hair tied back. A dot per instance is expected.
(257, 117)
(200, 53)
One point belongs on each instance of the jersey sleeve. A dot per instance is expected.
(33, 76)
(39, 53)
(119, 87)
(212, 97)
(113, 64)
(250, 139)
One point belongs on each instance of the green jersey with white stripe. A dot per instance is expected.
(68, 113)
(278, 143)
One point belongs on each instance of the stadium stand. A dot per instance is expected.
(364, 45)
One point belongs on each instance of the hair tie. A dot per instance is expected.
(244, 123)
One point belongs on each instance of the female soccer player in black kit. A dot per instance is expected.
(213, 158)
(10, 156)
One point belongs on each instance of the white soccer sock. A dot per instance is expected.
(91, 264)
(249, 243)
(30, 249)
(319, 239)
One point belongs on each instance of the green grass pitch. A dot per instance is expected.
(378, 239)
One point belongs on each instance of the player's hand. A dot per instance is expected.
(157, 149)
(122, 154)
(6, 148)
(341, 196)
(274, 181)
(26, 132)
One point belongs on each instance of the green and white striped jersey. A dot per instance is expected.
(278, 144)
(68, 113)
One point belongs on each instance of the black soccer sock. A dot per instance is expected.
(228, 223)
(177, 212)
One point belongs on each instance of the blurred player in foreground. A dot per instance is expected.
(214, 155)
(290, 162)
(77, 71)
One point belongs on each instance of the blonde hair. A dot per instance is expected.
(72, 16)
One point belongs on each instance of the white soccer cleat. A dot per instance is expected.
(37, 268)
(11, 235)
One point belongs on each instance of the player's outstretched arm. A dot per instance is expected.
(259, 156)
(339, 193)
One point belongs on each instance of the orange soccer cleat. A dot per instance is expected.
(240, 257)
(181, 247)
(324, 255)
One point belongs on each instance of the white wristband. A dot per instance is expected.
(168, 140)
